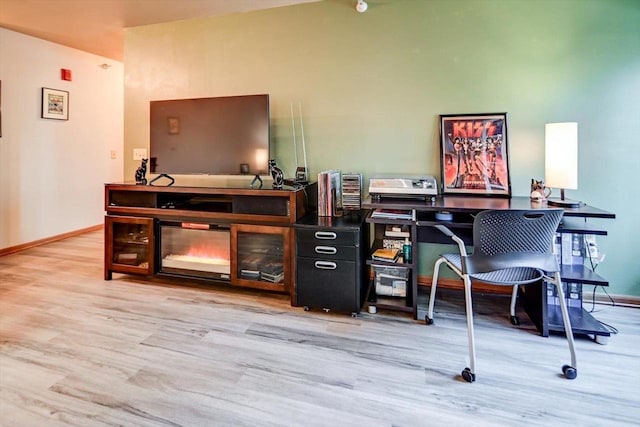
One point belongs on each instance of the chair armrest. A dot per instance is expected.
(444, 230)
(449, 233)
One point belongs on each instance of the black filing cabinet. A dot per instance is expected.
(330, 262)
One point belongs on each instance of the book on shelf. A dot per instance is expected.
(250, 274)
(396, 231)
(385, 254)
(273, 278)
(391, 243)
(408, 214)
(272, 268)
(127, 258)
(329, 193)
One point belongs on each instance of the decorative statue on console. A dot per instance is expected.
(276, 174)
(141, 173)
(538, 190)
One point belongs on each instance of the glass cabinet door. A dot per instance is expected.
(129, 245)
(261, 256)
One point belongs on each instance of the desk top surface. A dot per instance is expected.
(476, 204)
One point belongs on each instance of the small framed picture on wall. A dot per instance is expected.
(474, 156)
(174, 125)
(55, 104)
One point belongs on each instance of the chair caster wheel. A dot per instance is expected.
(428, 320)
(354, 314)
(468, 375)
(515, 320)
(569, 372)
(306, 308)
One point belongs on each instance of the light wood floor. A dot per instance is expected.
(77, 350)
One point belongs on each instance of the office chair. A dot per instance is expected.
(511, 248)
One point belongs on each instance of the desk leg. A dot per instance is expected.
(534, 299)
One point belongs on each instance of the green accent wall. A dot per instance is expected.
(372, 85)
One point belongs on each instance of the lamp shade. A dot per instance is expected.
(561, 155)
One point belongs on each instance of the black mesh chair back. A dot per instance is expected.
(510, 239)
(509, 231)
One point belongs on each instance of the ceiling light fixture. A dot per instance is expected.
(362, 6)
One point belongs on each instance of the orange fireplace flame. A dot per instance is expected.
(203, 254)
(207, 252)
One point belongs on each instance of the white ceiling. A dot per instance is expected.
(96, 26)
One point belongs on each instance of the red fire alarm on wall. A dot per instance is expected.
(65, 74)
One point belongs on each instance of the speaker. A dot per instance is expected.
(351, 191)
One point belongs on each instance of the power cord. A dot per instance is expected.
(612, 329)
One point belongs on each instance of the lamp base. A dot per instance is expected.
(564, 203)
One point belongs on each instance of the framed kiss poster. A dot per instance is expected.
(474, 156)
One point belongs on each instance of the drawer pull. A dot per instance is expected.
(326, 265)
(326, 250)
(326, 235)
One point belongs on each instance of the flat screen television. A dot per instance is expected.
(214, 136)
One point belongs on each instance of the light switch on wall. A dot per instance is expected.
(114, 154)
(139, 153)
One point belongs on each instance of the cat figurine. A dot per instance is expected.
(539, 192)
(276, 174)
(141, 173)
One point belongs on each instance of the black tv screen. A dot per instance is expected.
(216, 136)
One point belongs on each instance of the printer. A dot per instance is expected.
(405, 186)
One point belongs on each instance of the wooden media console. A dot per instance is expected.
(230, 234)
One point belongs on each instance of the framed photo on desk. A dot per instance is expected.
(474, 155)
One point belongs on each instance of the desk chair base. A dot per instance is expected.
(469, 373)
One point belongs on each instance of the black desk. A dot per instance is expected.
(545, 315)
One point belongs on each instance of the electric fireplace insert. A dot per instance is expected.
(195, 250)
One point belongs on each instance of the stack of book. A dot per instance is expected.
(394, 237)
(250, 274)
(386, 254)
(272, 272)
(408, 214)
(329, 193)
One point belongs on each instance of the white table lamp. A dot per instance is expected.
(561, 160)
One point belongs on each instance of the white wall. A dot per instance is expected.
(52, 172)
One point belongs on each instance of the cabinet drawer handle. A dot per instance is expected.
(326, 265)
(326, 235)
(328, 250)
